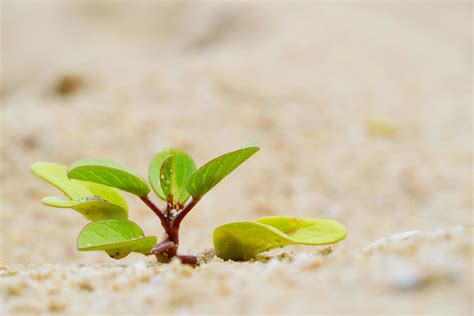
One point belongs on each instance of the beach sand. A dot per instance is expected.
(363, 112)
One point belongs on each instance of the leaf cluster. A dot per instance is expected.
(92, 188)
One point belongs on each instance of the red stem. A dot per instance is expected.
(171, 227)
(164, 221)
(161, 247)
(192, 260)
(179, 218)
(174, 229)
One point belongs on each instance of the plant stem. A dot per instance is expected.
(161, 247)
(192, 260)
(179, 218)
(164, 221)
(174, 229)
(169, 247)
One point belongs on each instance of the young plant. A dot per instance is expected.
(92, 187)
(93, 190)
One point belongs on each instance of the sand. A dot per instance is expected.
(363, 112)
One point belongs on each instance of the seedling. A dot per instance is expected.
(93, 190)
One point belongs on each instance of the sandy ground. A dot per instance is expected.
(363, 112)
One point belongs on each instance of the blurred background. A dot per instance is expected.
(363, 111)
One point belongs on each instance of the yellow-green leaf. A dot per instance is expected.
(93, 208)
(109, 194)
(173, 175)
(55, 174)
(244, 240)
(307, 231)
(115, 236)
(109, 173)
(210, 174)
(109, 201)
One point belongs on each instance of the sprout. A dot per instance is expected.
(93, 188)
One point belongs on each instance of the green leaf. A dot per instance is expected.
(243, 240)
(177, 170)
(109, 173)
(210, 174)
(109, 194)
(55, 174)
(307, 231)
(93, 208)
(173, 175)
(116, 236)
(111, 200)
